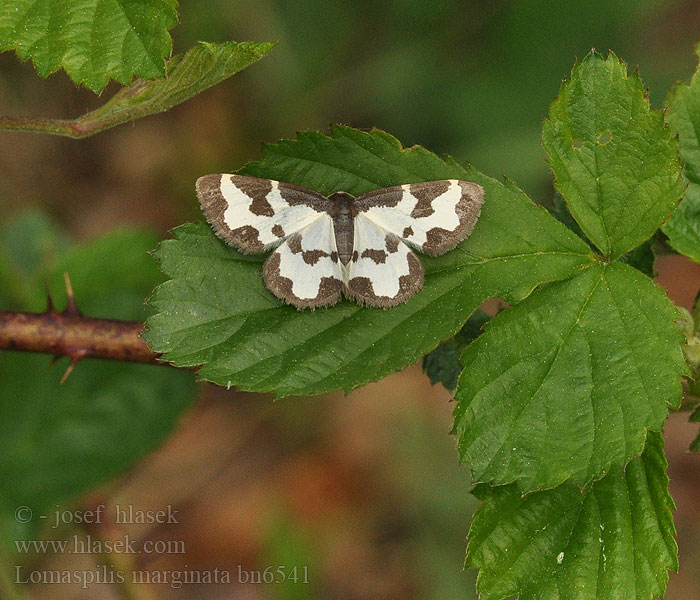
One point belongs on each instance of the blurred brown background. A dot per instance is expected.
(364, 489)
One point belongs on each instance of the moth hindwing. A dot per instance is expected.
(326, 247)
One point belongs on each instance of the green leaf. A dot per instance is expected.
(642, 258)
(695, 418)
(26, 257)
(683, 228)
(93, 40)
(614, 160)
(613, 540)
(569, 381)
(683, 117)
(443, 364)
(59, 440)
(200, 68)
(561, 213)
(216, 312)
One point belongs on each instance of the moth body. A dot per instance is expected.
(343, 224)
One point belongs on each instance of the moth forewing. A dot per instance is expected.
(433, 216)
(253, 214)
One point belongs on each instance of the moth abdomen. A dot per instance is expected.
(343, 225)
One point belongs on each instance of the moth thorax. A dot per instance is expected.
(343, 225)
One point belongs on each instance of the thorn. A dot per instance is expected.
(74, 361)
(50, 308)
(71, 306)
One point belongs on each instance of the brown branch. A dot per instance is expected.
(75, 336)
(72, 334)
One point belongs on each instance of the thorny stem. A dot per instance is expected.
(75, 336)
(72, 334)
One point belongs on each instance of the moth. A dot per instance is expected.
(329, 246)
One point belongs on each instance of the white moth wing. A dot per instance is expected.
(305, 270)
(433, 216)
(383, 271)
(253, 214)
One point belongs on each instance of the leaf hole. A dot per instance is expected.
(577, 144)
(604, 138)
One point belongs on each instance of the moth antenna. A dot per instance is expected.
(71, 306)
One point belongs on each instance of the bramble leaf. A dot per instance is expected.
(614, 539)
(186, 76)
(215, 311)
(614, 161)
(443, 364)
(57, 441)
(683, 117)
(561, 213)
(567, 383)
(93, 40)
(24, 259)
(642, 258)
(695, 418)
